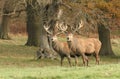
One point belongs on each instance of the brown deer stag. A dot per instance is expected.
(82, 46)
(60, 47)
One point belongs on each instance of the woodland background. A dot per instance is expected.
(17, 60)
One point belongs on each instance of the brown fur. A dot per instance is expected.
(85, 46)
(63, 50)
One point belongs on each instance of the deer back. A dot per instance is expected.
(92, 45)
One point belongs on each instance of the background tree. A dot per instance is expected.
(94, 18)
(34, 22)
(46, 11)
(38, 13)
(10, 8)
(104, 36)
(4, 24)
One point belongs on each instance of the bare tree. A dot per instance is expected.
(38, 13)
(41, 11)
(10, 8)
(4, 25)
(104, 36)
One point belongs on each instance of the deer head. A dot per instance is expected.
(61, 28)
(50, 33)
(73, 30)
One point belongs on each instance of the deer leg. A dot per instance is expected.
(86, 58)
(97, 59)
(62, 58)
(69, 60)
(83, 58)
(76, 61)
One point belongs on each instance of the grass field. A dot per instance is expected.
(111, 71)
(17, 62)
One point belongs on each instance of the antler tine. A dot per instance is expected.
(78, 26)
(62, 27)
(57, 25)
(46, 27)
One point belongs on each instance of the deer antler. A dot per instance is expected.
(62, 27)
(47, 27)
(77, 27)
(80, 24)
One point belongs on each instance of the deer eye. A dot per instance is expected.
(67, 38)
(52, 39)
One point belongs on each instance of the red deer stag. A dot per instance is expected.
(60, 47)
(82, 46)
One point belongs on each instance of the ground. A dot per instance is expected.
(17, 62)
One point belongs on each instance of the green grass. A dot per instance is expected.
(110, 71)
(116, 46)
(17, 62)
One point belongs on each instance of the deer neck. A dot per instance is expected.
(72, 44)
(55, 44)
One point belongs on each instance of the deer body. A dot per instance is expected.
(84, 47)
(60, 47)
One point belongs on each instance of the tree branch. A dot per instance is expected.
(67, 6)
(15, 10)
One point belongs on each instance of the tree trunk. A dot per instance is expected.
(39, 13)
(34, 24)
(4, 27)
(37, 36)
(104, 36)
(33, 30)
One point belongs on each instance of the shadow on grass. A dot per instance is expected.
(29, 77)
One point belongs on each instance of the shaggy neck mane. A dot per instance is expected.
(73, 44)
(57, 45)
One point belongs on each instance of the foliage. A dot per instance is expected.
(93, 11)
(89, 10)
(112, 7)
